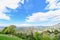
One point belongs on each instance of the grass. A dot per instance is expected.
(6, 37)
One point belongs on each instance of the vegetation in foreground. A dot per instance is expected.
(9, 33)
(7, 37)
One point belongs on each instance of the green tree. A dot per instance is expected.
(55, 38)
(10, 29)
(56, 32)
(48, 32)
(38, 36)
(46, 37)
(3, 31)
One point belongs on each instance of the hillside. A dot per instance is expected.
(57, 26)
(6, 37)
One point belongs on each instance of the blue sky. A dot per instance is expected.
(29, 12)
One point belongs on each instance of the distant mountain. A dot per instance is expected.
(1, 28)
(57, 26)
(31, 27)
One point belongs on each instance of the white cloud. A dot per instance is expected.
(41, 17)
(13, 4)
(22, 1)
(53, 4)
(23, 25)
(52, 15)
(18, 25)
(4, 16)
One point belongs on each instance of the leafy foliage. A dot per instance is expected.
(9, 30)
(45, 35)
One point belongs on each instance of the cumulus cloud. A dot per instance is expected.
(41, 17)
(23, 25)
(13, 4)
(53, 4)
(4, 16)
(52, 15)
